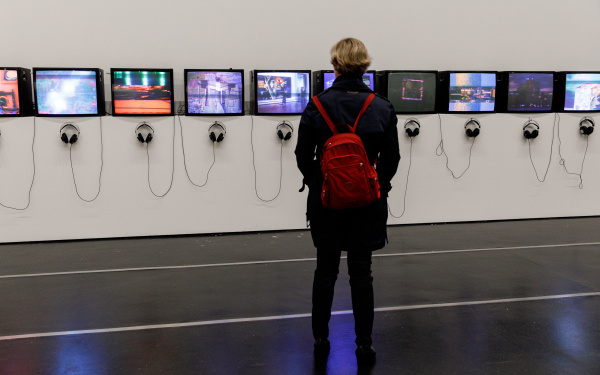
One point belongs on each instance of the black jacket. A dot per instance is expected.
(355, 229)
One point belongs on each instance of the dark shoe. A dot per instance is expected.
(322, 348)
(365, 356)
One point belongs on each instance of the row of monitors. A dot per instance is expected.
(136, 92)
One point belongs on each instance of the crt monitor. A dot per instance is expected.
(410, 92)
(581, 91)
(214, 92)
(142, 92)
(277, 92)
(69, 92)
(323, 79)
(468, 92)
(528, 92)
(15, 92)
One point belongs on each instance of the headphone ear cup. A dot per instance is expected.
(140, 137)
(475, 132)
(149, 138)
(73, 138)
(212, 137)
(64, 138)
(288, 135)
(280, 134)
(220, 137)
(415, 132)
(535, 133)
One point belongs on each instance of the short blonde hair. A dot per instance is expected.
(350, 56)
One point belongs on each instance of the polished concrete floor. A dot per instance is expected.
(519, 297)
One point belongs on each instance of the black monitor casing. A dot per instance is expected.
(170, 71)
(443, 98)
(382, 86)
(99, 92)
(185, 80)
(254, 90)
(26, 105)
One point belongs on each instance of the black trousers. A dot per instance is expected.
(361, 284)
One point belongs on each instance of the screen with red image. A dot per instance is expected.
(9, 92)
(142, 92)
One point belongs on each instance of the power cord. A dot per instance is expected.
(172, 170)
(32, 177)
(101, 167)
(406, 185)
(254, 165)
(549, 160)
(562, 160)
(439, 151)
(185, 165)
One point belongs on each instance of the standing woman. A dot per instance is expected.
(361, 230)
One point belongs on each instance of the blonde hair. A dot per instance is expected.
(350, 56)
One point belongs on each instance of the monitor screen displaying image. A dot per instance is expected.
(412, 92)
(582, 92)
(472, 92)
(281, 92)
(9, 92)
(67, 92)
(368, 78)
(530, 92)
(142, 92)
(214, 92)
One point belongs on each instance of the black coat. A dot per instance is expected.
(353, 229)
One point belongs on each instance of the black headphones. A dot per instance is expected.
(412, 126)
(74, 136)
(531, 129)
(289, 129)
(149, 132)
(215, 134)
(472, 127)
(586, 129)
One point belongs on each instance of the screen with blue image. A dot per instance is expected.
(472, 92)
(214, 92)
(530, 92)
(582, 92)
(368, 79)
(66, 92)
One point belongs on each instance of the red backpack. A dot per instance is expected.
(349, 179)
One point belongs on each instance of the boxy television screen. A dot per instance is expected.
(68, 92)
(281, 92)
(368, 78)
(214, 92)
(582, 92)
(142, 92)
(9, 92)
(472, 92)
(412, 92)
(530, 92)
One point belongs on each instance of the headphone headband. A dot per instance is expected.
(69, 125)
(474, 121)
(531, 122)
(412, 120)
(144, 124)
(588, 119)
(219, 124)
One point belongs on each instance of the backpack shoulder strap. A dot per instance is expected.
(324, 114)
(363, 109)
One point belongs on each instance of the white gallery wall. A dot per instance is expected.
(268, 34)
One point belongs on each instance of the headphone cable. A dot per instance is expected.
(172, 170)
(439, 151)
(101, 167)
(562, 160)
(406, 185)
(184, 163)
(549, 160)
(254, 165)
(32, 177)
